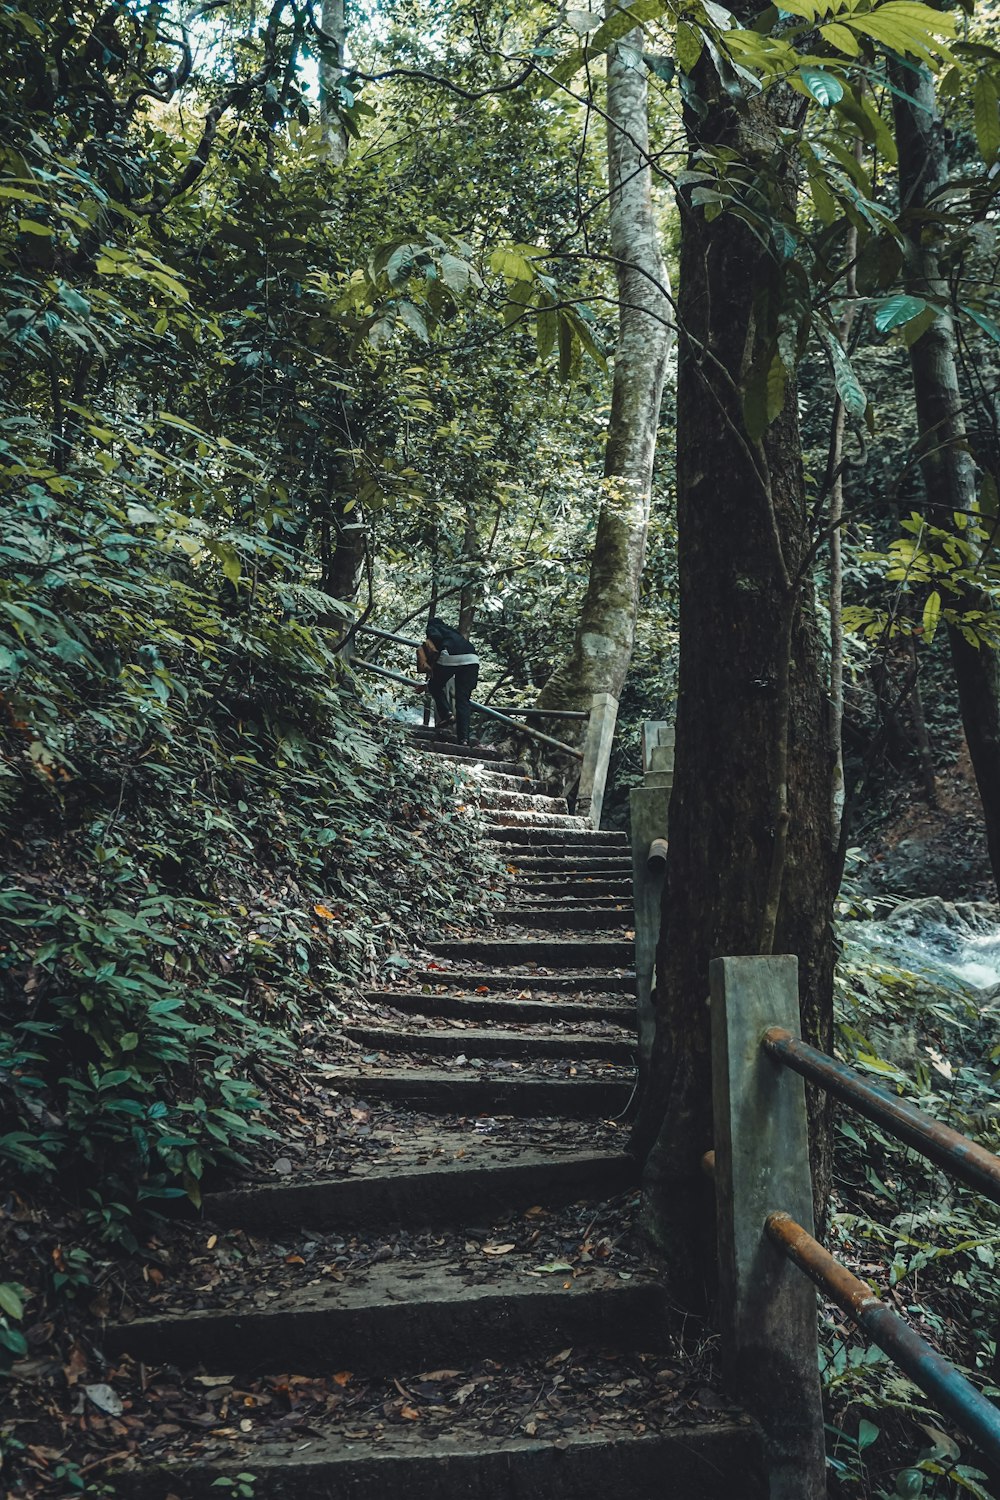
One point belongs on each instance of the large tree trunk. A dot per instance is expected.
(602, 645)
(750, 866)
(946, 461)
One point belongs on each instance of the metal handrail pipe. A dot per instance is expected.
(955, 1153)
(535, 734)
(483, 708)
(936, 1377)
(551, 713)
(387, 635)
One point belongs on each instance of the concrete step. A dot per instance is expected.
(569, 953)
(445, 1192)
(608, 916)
(397, 1317)
(496, 1008)
(597, 841)
(488, 778)
(594, 890)
(504, 818)
(494, 759)
(492, 1043)
(472, 981)
(711, 1461)
(457, 1092)
(496, 804)
(568, 864)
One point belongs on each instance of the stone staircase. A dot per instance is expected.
(469, 1319)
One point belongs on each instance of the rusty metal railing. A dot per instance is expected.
(483, 708)
(935, 1375)
(760, 1164)
(955, 1153)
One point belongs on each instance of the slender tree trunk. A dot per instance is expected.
(838, 789)
(946, 460)
(343, 544)
(334, 135)
(750, 864)
(602, 647)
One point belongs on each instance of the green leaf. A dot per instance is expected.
(688, 45)
(826, 88)
(663, 66)
(840, 37)
(931, 615)
(623, 20)
(10, 1300)
(848, 386)
(987, 116)
(985, 323)
(867, 1434)
(897, 310)
(777, 377)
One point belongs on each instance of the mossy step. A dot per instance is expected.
(491, 1043)
(554, 953)
(454, 1091)
(410, 1315)
(596, 841)
(472, 981)
(711, 1461)
(497, 1008)
(443, 1192)
(605, 918)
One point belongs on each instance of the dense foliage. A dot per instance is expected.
(236, 371)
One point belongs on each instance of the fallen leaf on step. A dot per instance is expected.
(342, 1377)
(107, 1400)
(555, 1265)
(498, 1249)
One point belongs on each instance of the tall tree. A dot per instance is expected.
(602, 645)
(751, 868)
(946, 460)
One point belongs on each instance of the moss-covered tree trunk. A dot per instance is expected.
(946, 460)
(602, 645)
(750, 866)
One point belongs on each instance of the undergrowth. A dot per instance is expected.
(208, 843)
(928, 1245)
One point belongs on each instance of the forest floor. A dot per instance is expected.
(925, 850)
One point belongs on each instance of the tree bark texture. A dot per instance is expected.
(602, 646)
(334, 135)
(946, 460)
(753, 762)
(342, 544)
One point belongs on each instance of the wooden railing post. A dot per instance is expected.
(596, 756)
(648, 808)
(767, 1308)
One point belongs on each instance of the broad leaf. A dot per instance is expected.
(897, 310)
(826, 88)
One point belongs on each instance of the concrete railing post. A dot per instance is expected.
(767, 1307)
(648, 807)
(596, 756)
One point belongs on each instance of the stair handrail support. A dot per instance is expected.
(768, 1314)
(597, 745)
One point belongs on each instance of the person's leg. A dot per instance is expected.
(465, 683)
(437, 687)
